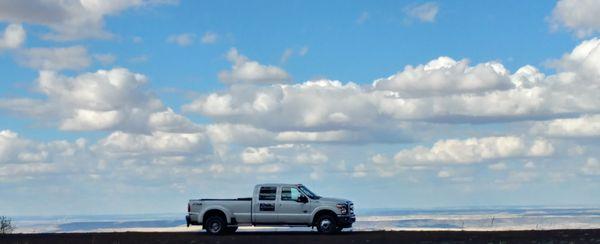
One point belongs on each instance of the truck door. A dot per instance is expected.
(290, 211)
(264, 209)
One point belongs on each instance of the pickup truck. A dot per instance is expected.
(272, 205)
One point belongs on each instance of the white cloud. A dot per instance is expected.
(425, 12)
(289, 52)
(239, 133)
(579, 16)
(169, 121)
(591, 167)
(252, 155)
(270, 168)
(105, 100)
(541, 148)
(13, 37)
(529, 165)
(359, 171)
(311, 156)
(303, 51)
(245, 70)
(60, 58)
(584, 126)
(22, 158)
(444, 174)
(217, 168)
(127, 144)
(473, 150)
(498, 166)
(209, 37)
(286, 55)
(184, 39)
(441, 91)
(446, 76)
(105, 58)
(70, 19)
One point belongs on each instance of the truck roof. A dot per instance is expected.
(278, 184)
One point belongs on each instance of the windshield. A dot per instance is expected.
(307, 192)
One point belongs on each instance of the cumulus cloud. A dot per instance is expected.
(444, 76)
(578, 16)
(13, 37)
(260, 155)
(473, 150)
(68, 20)
(121, 143)
(244, 70)
(22, 158)
(61, 58)
(584, 126)
(425, 12)
(442, 91)
(103, 100)
(183, 40)
(311, 156)
(591, 167)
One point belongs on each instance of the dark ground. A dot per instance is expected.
(548, 236)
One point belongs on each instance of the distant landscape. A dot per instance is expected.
(498, 218)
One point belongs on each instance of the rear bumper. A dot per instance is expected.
(346, 221)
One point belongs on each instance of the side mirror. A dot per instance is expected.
(302, 199)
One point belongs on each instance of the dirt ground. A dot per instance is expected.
(549, 236)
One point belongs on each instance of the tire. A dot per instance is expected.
(215, 225)
(327, 224)
(230, 230)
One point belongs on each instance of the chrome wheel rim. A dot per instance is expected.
(325, 224)
(215, 227)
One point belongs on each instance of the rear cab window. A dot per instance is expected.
(267, 193)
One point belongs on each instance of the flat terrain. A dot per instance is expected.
(549, 236)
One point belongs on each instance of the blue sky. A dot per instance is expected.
(137, 106)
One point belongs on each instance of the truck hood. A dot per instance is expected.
(333, 200)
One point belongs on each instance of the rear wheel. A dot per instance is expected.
(327, 224)
(215, 225)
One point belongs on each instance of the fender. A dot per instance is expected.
(320, 208)
(223, 209)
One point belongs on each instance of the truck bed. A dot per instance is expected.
(227, 199)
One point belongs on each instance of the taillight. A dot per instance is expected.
(189, 209)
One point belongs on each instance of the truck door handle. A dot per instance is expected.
(304, 211)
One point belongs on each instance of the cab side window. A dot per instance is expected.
(289, 194)
(267, 193)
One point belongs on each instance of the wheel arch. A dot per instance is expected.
(218, 212)
(320, 212)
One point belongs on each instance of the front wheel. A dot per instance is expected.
(327, 224)
(215, 225)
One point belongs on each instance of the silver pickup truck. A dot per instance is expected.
(272, 205)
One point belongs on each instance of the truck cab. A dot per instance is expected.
(273, 205)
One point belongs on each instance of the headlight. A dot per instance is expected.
(342, 207)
